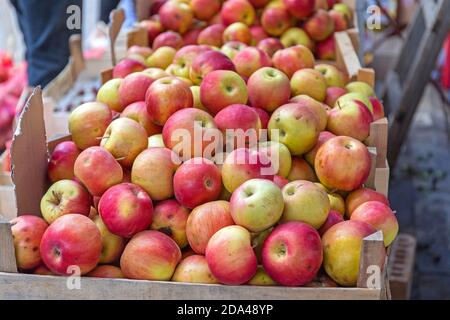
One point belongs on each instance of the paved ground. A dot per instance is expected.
(420, 188)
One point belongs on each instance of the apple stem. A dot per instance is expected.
(102, 138)
(120, 159)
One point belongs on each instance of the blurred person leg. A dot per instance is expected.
(106, 7)
(44, 25)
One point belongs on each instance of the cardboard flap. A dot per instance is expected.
(117, 20)
(29, 156)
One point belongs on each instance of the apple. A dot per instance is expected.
(296, 126)
(184, 58)
(261, 278)
(126, 67)
(279, 155)
(27, 232)
(156, 141)
(88, 123)
(319, 109)
(270, 46)
(333, 76)
(360, 196)
(72, 240)
(379, 216)
(176, 16)
(231, 48)
(242, 165)
(62, 161)
(334, 218)
(230, 256)
(205, 9)
(153, 27)
(291, 59)
(97, 170)
(204, 221)
(333, 94)
(300, 9)
(345, 10)
(109, 94)
(112, 245)
(378, 109)
(192, 133)
(295, 36)
(125, 139)
(342, 250)
(352, 119)
(168, 39)
(165, 97)
(275, 20)
(161, 58)
(257, 205)
(153, 170)
(280, 181)
(106, 272)
(194, 269)
(240, 126)
(305, 202)
(341, 23)
(196, 96)
(361, 88)
(292, 254)
(326, 49)
(222, 88)
(170, 217)
(155, 73)
(208, 62)
(309, 82)
(337, 202)
(144, 52)
(343, 163)
(237, 31)
(133, 88)
(249, 60)
(264, 117)
(237, 11)
(212, 35)
(301, 170)
(64, 197)
(258, 34)
(191, 36)
(150, 255)
(320, 26)
(138, 112)
(126, 209)
(197, 182)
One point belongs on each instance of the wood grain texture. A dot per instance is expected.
(117, 20)
(7, 254)
(373, 253)
(379, 131)
(137, 37)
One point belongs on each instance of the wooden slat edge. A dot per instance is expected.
(7, 253)
(372, 262)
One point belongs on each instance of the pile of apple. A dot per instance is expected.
(126, 201)
(231, 25)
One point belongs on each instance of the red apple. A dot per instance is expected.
(340, 21)
(165, 97)
(334, 217)
(258, 34)
(292, 254)
(300, 8)
(212, 35)
(170, 217)
(168, 39)
(301, 170)
(309, 82)
(126, 209)
(197, 182)
(324, 136)
(97, 169)
(222, 88)
(326, 49)
(112, 245)
(360, 196)
(127, 66)
(230, 256)
(144, 52)
(378, 109)
(194, 269)
(150, 255)
(204, 221)
(237, 31)
(133, 88)
(108, 94)
(185, 57)
(333, 94)
(343, 163)
(263, 116)
(27, 232)
(280, 181)
(208, 62)
(270, 46)
(320, 26)
(191, 37)
(249, 60)
(176, 16)
(71, 241)
(138, 112)
(62, 161)
(291, 59)
(319, 109)
(65, 197)
(106, 272)
(237, 11)
(275, 20)
(232, 48)
(205, 9)
(153, 27)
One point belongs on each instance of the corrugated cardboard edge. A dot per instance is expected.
(29, 156)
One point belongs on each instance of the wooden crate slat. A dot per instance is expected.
(7, 254)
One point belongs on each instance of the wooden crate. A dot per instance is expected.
(30, 181)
